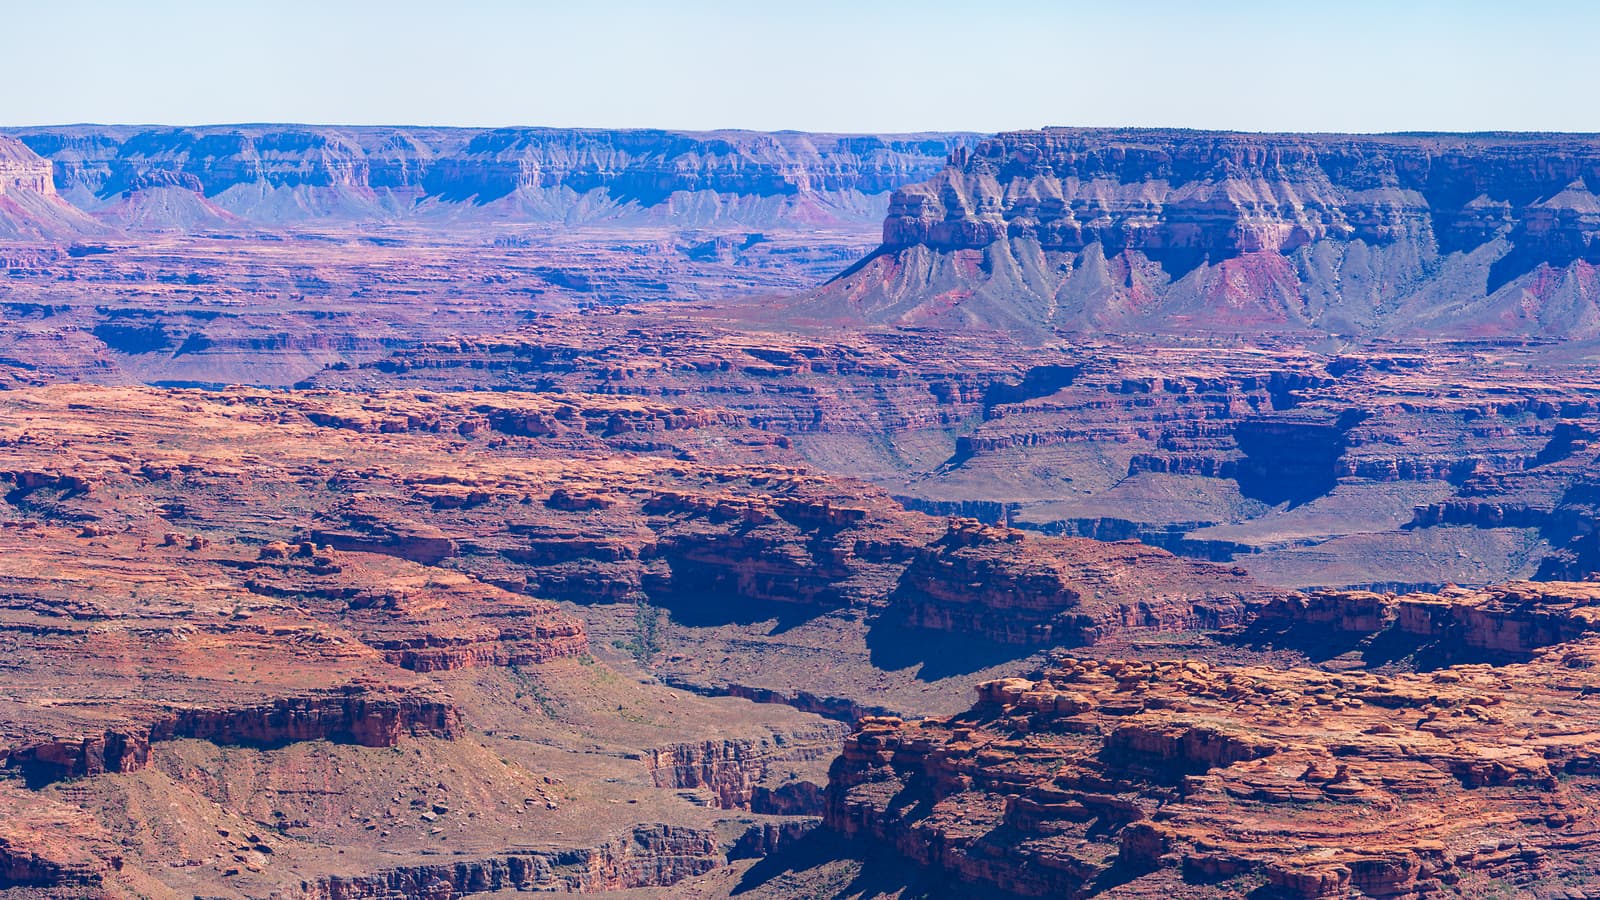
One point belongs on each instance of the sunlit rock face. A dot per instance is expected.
(1179, 230)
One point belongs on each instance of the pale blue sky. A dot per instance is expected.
(896, 65)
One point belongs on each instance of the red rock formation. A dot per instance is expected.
(1318, 784)
(46, 844)
(373, 718)
(1008, 586)
(30, 208)
(1511, 621)
(372, 531)
(734, 770)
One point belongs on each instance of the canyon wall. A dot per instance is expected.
(22, 169)
(288, 174)
(1107, 230)
(30, 208)
(650, 856)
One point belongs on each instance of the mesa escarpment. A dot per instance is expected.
(22, 170)
(1141, 230)
(30, 208)
(1501, 623)
(292, 174)
(356, 715)
(1011, 587)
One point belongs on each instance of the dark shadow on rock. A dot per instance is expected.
(711, 609)
(1396, 648)
(1291, 459)
(894, 645)
(785, 873)
(1390, 647)
(1318, 645)
(1119, 874)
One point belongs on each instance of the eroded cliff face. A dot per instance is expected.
(748, 774)
(1290, 780)
(1135, 230)
(370, 719)
(30, 208)
(1503, 623)
(22, 169)
(1011, 587)
(287, 173)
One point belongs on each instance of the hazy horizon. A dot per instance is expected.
(535, 126)
(827, 66)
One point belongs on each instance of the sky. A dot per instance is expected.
(818, 65)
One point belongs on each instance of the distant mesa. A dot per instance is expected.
(282, 175)
(1478, 236)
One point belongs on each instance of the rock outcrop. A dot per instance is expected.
(1307, 783)
(359, 716)
(1500, 623)
(737, 773)
(46, 844)
(1011, 587)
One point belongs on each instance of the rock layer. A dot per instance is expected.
(1310, 469)
(648, 857)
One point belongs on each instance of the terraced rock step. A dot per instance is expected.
(371, 718)
(1457, 463)
(650, 856)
